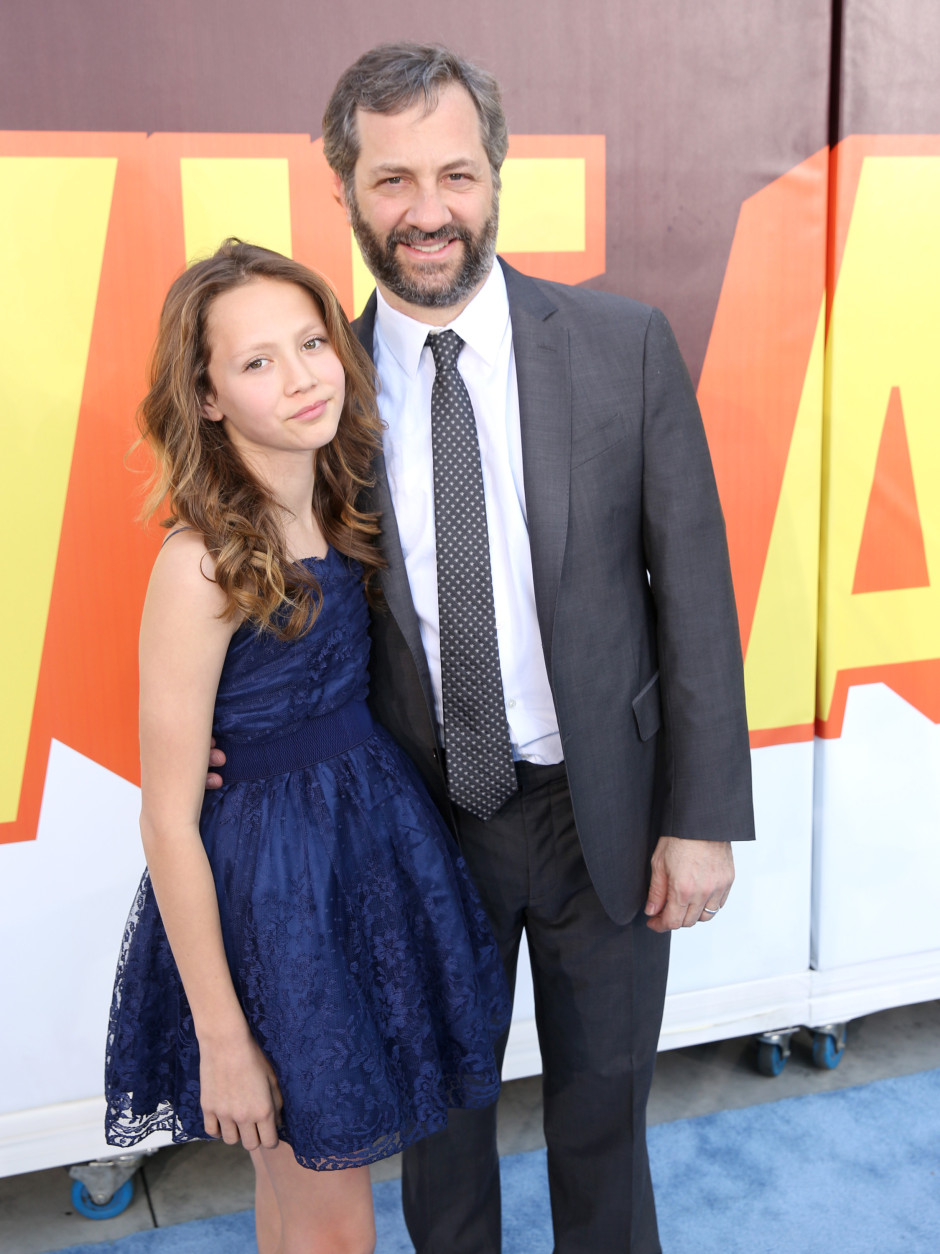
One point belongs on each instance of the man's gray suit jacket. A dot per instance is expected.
(632, 587)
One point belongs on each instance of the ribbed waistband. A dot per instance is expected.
(313, 741)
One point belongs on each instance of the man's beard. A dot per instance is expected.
(430, 289)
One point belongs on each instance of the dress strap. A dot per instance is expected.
(175, 532)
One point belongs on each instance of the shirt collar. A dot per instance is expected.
(482, 325)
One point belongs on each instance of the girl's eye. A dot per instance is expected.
(315, 341)
(256, 363)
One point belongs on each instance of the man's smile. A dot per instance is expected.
(429, 249)
(438, 245)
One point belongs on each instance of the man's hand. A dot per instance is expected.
(216, 758)
(690, 882)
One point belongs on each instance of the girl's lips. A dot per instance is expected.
(309, 411)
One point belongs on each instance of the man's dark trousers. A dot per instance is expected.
(599, 992)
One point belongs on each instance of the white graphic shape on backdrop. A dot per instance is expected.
(763, 931)
(64, 899)
(877, 854)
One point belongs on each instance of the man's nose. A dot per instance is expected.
(428, 211)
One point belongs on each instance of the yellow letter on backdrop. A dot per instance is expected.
(53, 222)
(883, 334)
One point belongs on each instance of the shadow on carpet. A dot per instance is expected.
(856, 1170)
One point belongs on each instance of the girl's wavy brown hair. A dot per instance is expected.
(208, 487)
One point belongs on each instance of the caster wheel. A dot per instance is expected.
(771, 1059)
(827, 1052)
(85, 1204)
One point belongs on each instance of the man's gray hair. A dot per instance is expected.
(391, 78)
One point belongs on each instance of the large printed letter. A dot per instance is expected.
(882, 361)
(53, 223)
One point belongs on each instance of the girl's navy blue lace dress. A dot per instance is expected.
(358, 947)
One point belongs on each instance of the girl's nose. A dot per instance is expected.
(300, 377)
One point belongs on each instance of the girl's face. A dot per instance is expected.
(277, 385)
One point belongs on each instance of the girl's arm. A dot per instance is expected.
(183, 642)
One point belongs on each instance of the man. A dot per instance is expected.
(565, 618)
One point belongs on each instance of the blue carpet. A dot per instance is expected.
(855, 1171)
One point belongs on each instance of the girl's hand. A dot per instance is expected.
(241, 1100)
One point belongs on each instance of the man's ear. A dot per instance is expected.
(339, 194)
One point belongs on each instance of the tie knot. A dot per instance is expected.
(445, 347)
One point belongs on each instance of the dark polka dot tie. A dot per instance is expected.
(480, 771)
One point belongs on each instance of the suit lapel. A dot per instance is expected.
(394, 578)
(540, 345)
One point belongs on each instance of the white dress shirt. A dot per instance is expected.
(487, 365)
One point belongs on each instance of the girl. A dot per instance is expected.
(306, 968)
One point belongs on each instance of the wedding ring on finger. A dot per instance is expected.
(706, 910)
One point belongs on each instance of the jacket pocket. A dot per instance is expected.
(647, 710)
(590, 444)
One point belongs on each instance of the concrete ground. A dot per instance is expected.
(203, 1179)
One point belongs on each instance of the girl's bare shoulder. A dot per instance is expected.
(184, 574)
